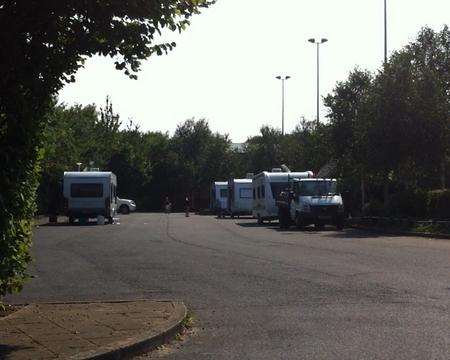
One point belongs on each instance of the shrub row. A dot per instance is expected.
(418, 204)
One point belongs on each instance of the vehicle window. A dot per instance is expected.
(86, 190)
(263, 191)
(254, 194)
(318, 188)
(223, 193)
(259, 192)
(245, 193)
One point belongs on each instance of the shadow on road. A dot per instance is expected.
(235, 218)
(7, 350)
(76, 224)
(350, 233)
(256, 225)
(329, 231)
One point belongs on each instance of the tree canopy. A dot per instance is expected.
(43, 44)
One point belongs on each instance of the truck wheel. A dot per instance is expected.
(71, 220)
(124, 209)
(319, 226)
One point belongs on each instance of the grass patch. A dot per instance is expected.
(6, 309)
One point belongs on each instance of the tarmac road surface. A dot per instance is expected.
(257, 292)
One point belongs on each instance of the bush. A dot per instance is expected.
(373, 208)
(439, 204)
(408, 203)
(17, 206)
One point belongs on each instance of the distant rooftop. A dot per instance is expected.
(239, 147)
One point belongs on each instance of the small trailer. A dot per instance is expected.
(267, 187)
(90, 194)
(240, 197)
(219, 197)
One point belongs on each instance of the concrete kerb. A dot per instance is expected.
(128, 348)
(138, 345)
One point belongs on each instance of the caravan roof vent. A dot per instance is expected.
(277, 170)
(249, 176)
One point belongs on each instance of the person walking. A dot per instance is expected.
(167, 205)
(186, 206)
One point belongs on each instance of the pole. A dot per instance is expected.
(282, 106)
(385, 32)
(318, 83)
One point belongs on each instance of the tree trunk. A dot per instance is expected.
(385, 193)
(363, 194)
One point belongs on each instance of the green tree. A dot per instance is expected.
(201, 157)
(47, 43)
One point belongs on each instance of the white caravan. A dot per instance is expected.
(266, 190)
(240, 197)
(219, 197)
(89, 194)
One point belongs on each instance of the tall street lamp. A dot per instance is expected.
(385, 31)
(283, 79)
(318, 43)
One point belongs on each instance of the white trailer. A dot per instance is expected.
(266, 190)
(240, 197)
(219, 197)
(90, 194)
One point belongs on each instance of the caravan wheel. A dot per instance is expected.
(260, 220)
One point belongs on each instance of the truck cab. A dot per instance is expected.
(313, 201)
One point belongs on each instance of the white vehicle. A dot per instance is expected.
(312, 201)
(267, 187)
(90, 194)
(125, 206)
(240, 197)
(219, 197)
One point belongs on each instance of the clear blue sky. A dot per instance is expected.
(225, 64)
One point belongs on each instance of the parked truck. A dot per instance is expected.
(311, 201)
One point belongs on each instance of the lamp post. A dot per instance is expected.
(385, 31)
(318, 43)
(283, 80)
(79, 165)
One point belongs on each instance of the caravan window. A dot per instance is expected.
(263, 191)
(245, 193)
(86, 190)
(254, 194)
(277, 188)
(223, 193)
(259, 192)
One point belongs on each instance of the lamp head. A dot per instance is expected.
(278, 77)
(312, 41)
(324, 40)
